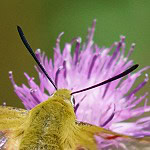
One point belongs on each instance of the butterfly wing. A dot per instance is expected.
(11, 126)
(108, 139)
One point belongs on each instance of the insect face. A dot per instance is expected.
(64, 96)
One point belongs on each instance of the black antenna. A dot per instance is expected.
(25, 42)
(109, 80)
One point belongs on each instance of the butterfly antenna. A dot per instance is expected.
(25, 42)
(109, 80)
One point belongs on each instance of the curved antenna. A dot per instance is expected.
(25, 42)
(109, 80)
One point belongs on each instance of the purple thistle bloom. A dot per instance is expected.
(108, 106)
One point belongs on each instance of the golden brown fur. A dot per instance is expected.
(51, 125)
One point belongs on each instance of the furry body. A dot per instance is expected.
(51, 125)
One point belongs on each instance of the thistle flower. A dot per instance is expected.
(108, 106)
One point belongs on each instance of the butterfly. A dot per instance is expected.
(52, 124)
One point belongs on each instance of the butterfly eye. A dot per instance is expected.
(72, 100)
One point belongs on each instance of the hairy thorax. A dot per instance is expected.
(48, 125)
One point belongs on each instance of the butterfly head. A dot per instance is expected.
(65, 94)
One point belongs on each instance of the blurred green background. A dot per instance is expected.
(43, 20)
